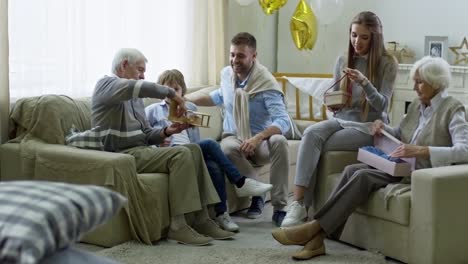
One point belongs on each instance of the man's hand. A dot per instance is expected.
(409, 151)
(249, 146)
(377, 127)
(166, 142)
(181, 108)
(176, 128)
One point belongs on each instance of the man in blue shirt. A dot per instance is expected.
(255, 121)
(217, 163)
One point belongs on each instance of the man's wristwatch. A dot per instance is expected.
(164, 132)
(364, 82)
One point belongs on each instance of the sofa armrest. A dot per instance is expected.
(82, 166)
(439, 216)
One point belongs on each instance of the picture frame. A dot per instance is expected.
(436, 46)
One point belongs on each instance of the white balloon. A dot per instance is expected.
(245, 2)
(327, 11)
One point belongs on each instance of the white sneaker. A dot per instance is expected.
(253, 188)
(295, 215)
(226, 223)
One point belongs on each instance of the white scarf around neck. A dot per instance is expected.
(260, 80)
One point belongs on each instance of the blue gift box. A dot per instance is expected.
(386, 143)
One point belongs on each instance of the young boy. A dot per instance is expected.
(216, 161)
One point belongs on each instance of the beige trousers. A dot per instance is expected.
(190, 185)
(357, 182)
(273, 151)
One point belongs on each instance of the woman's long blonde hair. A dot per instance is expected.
(376, 51)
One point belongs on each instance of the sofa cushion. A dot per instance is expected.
(43, 117)
(89, 139)
(37, 217)
(215, 128)
(303, 124)
(293, 149)
(398, 209)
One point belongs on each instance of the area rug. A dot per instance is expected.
(252, 245)
(220, 252)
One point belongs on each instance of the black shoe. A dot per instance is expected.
(256, 207)
(278, 217)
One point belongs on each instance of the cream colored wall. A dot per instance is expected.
(252, 19)
(404, 21)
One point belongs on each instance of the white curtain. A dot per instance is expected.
(4, 93)
(209, 25)
(63, 47)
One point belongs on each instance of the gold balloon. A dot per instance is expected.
(304, 26)
(270, 6)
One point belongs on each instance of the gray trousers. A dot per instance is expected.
(357, 183)
(274, 151)
(190, 185)
(319, 138)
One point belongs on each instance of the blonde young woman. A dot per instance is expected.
(434, 131)
(371, 74)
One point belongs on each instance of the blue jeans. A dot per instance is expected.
(218, 164)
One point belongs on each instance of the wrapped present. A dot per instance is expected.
(190, 117)
(336, 98)
(386, 143)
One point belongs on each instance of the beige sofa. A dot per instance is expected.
(51, 160)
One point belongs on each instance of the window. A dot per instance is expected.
(64, 47)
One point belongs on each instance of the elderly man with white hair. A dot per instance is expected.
(117, 107)
(434, 131)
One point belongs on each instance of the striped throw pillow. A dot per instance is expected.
(38, 217)
(89, 139)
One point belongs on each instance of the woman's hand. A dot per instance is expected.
(410, 151)
(334, 109)
(355, 75)
(377, 127)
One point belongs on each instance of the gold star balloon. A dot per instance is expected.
(304, 26)
(270, 6)
(461, 52)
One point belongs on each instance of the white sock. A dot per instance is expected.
(177, 222)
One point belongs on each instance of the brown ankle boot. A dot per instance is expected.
(296, 235)
(313, 248)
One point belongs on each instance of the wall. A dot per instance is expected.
(264, 27)
(404, 21)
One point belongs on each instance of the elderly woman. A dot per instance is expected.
(434, 131)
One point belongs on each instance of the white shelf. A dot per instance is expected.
(453, 68)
